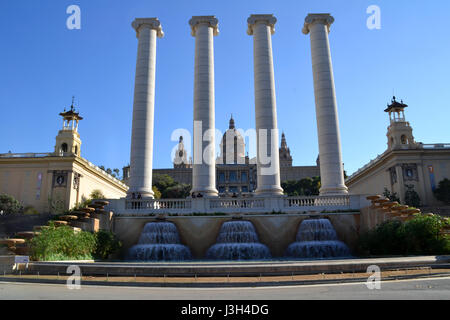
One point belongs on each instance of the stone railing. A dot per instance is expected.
(436, 146)
(235, 203)
(255, 205)
(26, 155)
(155, 205)
(317, 201)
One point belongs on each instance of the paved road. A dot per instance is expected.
(436, 288)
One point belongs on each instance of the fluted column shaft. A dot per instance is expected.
(268, 167)
(331, 168)
(204, 28)
(141, 158)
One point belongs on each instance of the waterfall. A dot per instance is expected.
(316, 238)
(159, 241)
(237, 240)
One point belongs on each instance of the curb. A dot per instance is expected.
(220, 284)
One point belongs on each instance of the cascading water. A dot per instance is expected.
(238, 240)
(316, 238)
(159, 241)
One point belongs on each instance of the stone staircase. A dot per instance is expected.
(92, 218)
(383, 209)
(392, 210)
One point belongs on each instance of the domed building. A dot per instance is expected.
(232, 147)
(236, 173)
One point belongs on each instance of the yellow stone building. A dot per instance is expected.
(405, 164)
(59, 180)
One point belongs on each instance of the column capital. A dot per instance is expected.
(152, 23)
(211, 21)
(313, 18)
(267, 19)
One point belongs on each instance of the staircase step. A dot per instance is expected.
(40, 228)
(12, 242)
(68, 217)
(27, 234)
(60, 223)
(101, 202)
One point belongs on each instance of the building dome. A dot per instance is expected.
(232, 146)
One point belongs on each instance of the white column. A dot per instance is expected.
(204, 28)
(141, 159)
(331, 168)
(262, 26)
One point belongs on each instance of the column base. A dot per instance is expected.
(333, 191)
(208, 193)
(140, 194)
(269, 191)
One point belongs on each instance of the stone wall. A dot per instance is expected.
(200, 232)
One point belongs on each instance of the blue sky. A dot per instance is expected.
(43, 64)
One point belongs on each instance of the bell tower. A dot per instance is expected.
(399, 132)
(285, 153)
(180, 160)
(68, 141)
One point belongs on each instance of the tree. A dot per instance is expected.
(8, 204)
(163, 181)
(393, 196)
(169, 188)
(97, 194)
(442, 192)
(156, 192)
(178, 191)
(116, 173)
(412, 198)
(303, 187)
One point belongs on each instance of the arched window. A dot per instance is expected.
(404, 139)
(64, 147)
(392, 141)
(76, 150)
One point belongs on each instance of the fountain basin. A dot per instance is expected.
(238, 251)
(159, 252)
(318, 249)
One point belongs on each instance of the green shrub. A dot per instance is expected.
(106, 244)
(30, 210)
(62, 243)
(422, 236)
(8, 204)
(418, 236)
(97, 194)
(386, 239)
(156, 192)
